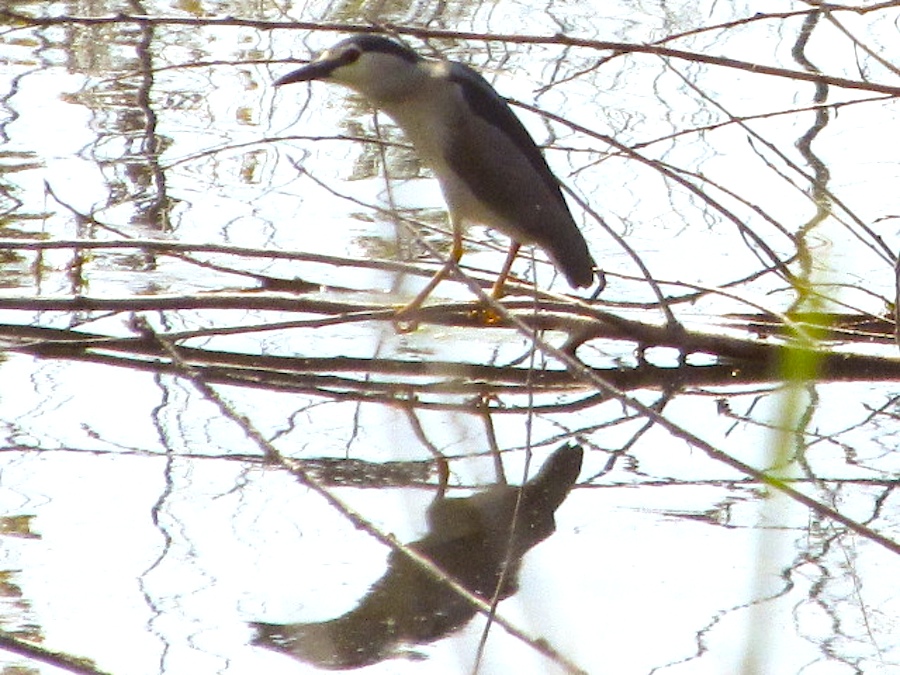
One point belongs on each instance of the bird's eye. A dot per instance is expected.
(351, 55)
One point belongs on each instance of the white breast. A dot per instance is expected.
(430, 116)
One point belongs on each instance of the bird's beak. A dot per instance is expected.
(322, 68)
(317, 70)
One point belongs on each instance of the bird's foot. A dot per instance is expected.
(486, 315)
(404, 320)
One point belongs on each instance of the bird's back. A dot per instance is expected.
(490, 169)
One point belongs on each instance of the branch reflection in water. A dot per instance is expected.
(469, 539)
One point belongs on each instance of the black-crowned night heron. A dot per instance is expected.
(489, 168)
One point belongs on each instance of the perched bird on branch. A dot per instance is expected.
(488, 166)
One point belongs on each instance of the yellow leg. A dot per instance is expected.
(456, 253)
(497, 288)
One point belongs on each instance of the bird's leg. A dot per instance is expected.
(497, 288)
(456, 253)
(486, 314)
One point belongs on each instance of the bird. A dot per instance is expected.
(490, 170)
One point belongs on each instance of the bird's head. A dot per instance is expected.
(376, 67)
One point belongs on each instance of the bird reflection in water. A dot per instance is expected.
(469, 539)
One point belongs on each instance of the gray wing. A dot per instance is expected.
(505, 169)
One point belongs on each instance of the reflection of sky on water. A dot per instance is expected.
(632, 574)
